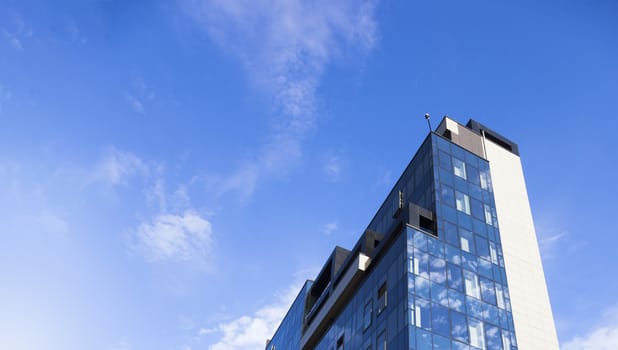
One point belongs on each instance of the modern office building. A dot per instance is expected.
(449, 261)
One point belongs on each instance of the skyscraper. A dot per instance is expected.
(449, 261)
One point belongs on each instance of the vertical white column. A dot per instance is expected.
(532, 314)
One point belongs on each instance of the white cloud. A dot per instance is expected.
(13, 40)
(136, 105)
(284, 46)
(185, 237)
(250, 332)
(332, 167)
(18, 31)
(384, 179)
(26, 206)
(604, 337)
(122, 345)
(330, 228)
(140, 95)
(116, 167)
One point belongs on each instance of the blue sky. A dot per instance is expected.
(172, 171)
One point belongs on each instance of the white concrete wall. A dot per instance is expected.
(532, 314)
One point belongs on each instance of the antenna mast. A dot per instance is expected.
(428, 122)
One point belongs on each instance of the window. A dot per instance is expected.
(367, 314)
(463, 202)
(422, 314)
(471, 283)
(340, 343)
(459, 168)
(476, 333)
(506, 340)
(381, 341)
(487, 214)
(382, 298)
(466, 239)
(484, 180)
(493, 252)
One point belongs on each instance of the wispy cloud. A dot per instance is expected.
(167, 237)
(26, 206)
(121, 345)
(384, 179)
(285, 46)
(117, 167)
(12, 39)
(555, 240)
(604, 337)
(329, 228)
(15, 31)
(333, 166)
(140, 95)
(250, 332)
(176, 231)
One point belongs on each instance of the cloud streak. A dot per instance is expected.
(604, 337)
(117, 167)
(167, 237)
(285, 46)
(249, 332)
(329, 228)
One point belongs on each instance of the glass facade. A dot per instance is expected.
(289, 332)
(431, 290)
(374, 317)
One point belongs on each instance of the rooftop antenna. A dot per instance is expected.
(428, 122)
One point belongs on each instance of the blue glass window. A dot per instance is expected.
(423, 314)
(468, 261)
(437, 270)
(462, 202)
(459, 327)
(473, 175)
(476, 330)
(436, 247)
(459, 168)
(482, 247)
(448, 197)
(423, 340)
(484, 179)
(474, 307)
(421, 286)
(441, 343)
(466, 240)
(490, 314)
(485, 268)
(421, 264)
(454, 276)
(488, 292)
(367, 314)
(450, 233)
(381, 341)
(420, 241)
(439, 294)
(476, 207)
(445, 160)
(472, 284)
(494, 338)
(488, 216)
(439, 320)
(456, 301)
(460, 346)
(453, 255)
